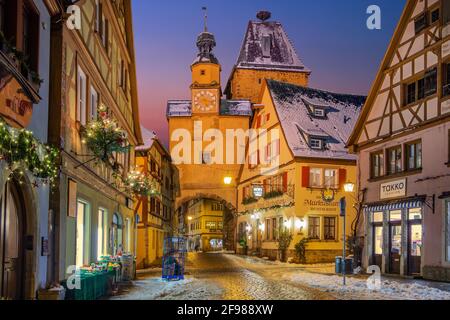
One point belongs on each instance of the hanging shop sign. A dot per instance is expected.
(393, 189)
(258, 191)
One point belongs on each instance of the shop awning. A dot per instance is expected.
(415, 202)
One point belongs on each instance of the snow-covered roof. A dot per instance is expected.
(148, 137)
(278, 53)
(183, 108)
(179, 108)
(342, 111)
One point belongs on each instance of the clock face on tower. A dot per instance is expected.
(204, 101)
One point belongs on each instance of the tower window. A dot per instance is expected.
(266, 44)
(202, 72)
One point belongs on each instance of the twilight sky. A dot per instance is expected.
(330, 37)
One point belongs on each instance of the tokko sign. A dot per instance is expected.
(393, 189)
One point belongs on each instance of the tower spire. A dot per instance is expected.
(205, 9)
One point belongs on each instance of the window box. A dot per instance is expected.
(273, 194)
(249, 200)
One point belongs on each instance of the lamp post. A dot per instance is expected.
(349, 188)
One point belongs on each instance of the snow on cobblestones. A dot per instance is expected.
(390, 289)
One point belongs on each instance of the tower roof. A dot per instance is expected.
(267, 46)
(205, 44)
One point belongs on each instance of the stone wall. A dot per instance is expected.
(436, 273)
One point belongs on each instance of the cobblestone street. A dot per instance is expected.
(219, 276)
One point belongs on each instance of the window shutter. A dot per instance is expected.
(258, 122)
(265, 185)
(285, 182)
(342, 177)
(268, 117)
(243, 193)
(305, 177)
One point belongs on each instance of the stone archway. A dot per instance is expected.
(229, 215)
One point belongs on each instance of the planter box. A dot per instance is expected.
(55, 294)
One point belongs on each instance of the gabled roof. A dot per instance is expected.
(183, 108)
(384, 64)
(291, 103)
(282, 55)
(151, 139)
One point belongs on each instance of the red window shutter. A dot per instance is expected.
(259, 158)
(268, 117)
(305, 177)
(342, 177)
(258, 122)
(265, 185)
(285, 182)
(277, 147)
(243, 193)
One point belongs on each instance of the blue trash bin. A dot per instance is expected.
(338, 265)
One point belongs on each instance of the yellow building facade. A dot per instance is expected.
(301, 192)
(92, 66)
(205, 225)
(156, 212)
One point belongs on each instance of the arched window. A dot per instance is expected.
(117, 233)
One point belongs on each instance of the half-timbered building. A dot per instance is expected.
(402, 139)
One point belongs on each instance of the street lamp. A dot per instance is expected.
(227, 180)
(349, 187)
(189, 218)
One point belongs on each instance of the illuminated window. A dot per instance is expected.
(329, 224)
(315, 177)
(101, 232)
(82, 246)
(314, 228)
(394, 160)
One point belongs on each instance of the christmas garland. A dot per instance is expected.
(22, 151)
(104, 137)
(246, 212)
(139, 184)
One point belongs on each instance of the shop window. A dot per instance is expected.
(101, 232)
(395, 215)
(268, 229)
(117, 234)
(82, 230)
(377, 217)
(394, 160)
(378, 240)
(81, 96)
(331, 178)
(329, 228)
(128, 234)
(414, 156)
(315, 177)
(314, 228)
(415, 214)
(274, 229)
(377, 164)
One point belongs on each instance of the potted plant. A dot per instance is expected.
(243, 244)
(300, 250)
(284, 241)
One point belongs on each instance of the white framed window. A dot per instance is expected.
(331, 178)
(316, 143)
(101, 232)
(81, 96)
(315, 177)
(93, 104)
(82, 233)
(319, 112)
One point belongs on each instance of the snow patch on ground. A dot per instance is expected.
(159, 289)
(390, 289)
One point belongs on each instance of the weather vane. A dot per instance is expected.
(205, 9)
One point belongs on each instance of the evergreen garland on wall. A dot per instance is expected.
(23, 152)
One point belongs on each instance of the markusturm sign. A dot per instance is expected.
(393, 189)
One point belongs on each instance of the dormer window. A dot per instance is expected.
(315, 143)
(266, 44)
(319, 112)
